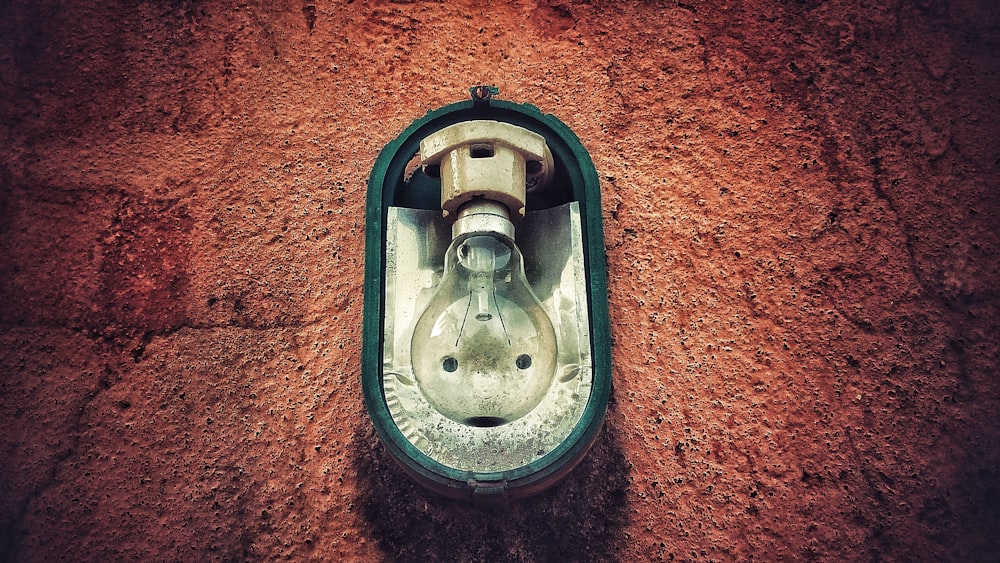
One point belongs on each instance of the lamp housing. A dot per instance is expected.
(486, 357)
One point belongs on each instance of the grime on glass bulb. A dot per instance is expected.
(483, 350)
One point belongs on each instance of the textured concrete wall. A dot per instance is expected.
(800, 210)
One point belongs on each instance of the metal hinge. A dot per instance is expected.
(488, 494)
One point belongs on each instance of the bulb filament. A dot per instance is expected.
(482, 298)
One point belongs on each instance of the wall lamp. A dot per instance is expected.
(486, 364)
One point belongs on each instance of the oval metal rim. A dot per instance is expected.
(386, 177)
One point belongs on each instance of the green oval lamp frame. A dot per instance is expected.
(388, 185)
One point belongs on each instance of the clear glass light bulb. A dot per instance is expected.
(484, 350)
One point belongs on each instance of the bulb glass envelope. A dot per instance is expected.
(532, 441)
(551, 240)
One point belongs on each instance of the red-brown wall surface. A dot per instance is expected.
(800, 211)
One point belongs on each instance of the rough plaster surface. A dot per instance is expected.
(801, 217)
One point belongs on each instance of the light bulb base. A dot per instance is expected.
(483, 216)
